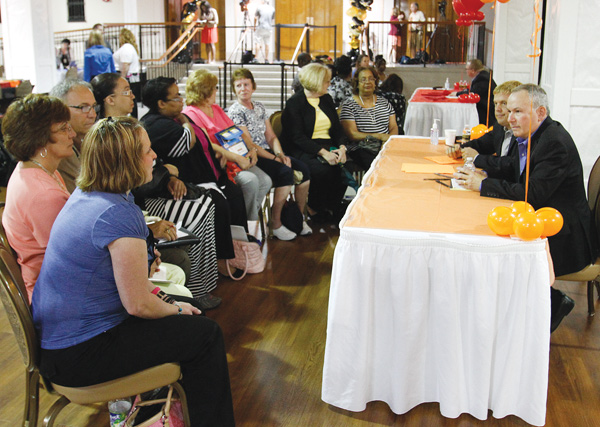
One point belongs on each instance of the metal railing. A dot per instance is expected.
(305, 36)
(443, 41)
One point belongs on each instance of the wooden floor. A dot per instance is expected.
(274, 325)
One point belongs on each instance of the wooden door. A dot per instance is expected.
(315, 12)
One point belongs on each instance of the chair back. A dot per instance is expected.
(16, 302)
(594, 185)
(275, 120)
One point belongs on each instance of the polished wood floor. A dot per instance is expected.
(274, 325)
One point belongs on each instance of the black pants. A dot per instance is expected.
(229, 210)
(326, 187)
(136, 344)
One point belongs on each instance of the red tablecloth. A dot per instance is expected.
(432, 95)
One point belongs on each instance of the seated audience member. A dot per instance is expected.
(312, 133)
(174, 140)
(95, 305)
(113, 95)
(78, 96)
(37, 133)
(303, 59)
(489, 148)
(252, 117)
(391, 89)
(201, 91)
(380, 65)
(480, 84)
(97, 58)
(555, 180)
(362, 61)
(340, 87)
(366, 115)
(127, 61)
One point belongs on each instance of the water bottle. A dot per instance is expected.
(447, 84)
(466, 136)
(469, 165)
(434, 137)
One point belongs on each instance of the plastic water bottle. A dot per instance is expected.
(466, 136)
(447, 84)
(434, 137)
(469, 165)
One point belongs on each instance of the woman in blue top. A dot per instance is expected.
(97, 58)
(94, 308)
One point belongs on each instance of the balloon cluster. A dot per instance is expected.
(469, 98)
(479, 130)
(468, 11)
(523, 221)
(358, 12)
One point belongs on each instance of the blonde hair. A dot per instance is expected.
(126, 36)
(313, 75)
(111, 156)
(95, 38)
(199, 87)
(507, 87)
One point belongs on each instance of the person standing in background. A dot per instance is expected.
(416, 30)
(210, 19)
(394, 36)
(97, 59)
(127, 61)
(263, 23)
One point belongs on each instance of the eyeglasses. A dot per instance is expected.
(178, 99)
(85, 108)
(124, 93)
(65, 128)
(366, 79)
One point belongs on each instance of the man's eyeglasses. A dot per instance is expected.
(85, 108)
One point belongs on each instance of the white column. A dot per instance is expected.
(28, 38)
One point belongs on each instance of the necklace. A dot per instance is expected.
(363, 102)
(60, 184)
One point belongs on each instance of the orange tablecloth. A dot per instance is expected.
(393, 199)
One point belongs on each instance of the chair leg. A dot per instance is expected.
(54, 411)
(183, 399)
(590, 295)
(32, 392)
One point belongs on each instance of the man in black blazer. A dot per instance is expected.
(480, 84)
(487, 150)
(555, 180)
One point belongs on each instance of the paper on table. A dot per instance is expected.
(444, 160)
(426, 168)
(457, 186)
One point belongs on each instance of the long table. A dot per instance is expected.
(428, 305)
(452, 114)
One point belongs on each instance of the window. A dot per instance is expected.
(76, 9)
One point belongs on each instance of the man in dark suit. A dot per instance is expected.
(487, 150)
(480, 84)
(555, 180)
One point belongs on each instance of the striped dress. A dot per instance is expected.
(368, 120)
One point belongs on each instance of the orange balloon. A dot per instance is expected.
(488, 1)
(552, 219)
(500, 220)
(478, 131)
(503, 1)
(527, 226)
(518, 207)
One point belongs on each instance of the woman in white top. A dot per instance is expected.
(127, 61)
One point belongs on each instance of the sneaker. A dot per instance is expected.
(306, 230)
(208, 302)
(282, 233)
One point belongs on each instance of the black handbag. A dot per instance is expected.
(291, 217)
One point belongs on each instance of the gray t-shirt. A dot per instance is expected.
(264, 14)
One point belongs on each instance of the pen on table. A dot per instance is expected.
(437, 179)
(443, 183)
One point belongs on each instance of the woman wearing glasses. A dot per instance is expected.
(113, 95)
(312, 134)
(37, 132)
(366, 115)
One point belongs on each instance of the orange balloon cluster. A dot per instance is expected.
(524, 222)
(480, 130)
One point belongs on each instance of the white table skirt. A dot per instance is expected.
(420, 115)
(419, 317)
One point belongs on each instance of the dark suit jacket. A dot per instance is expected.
(555, 180)
(489, 147)
(298, 124)
(480, 85)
